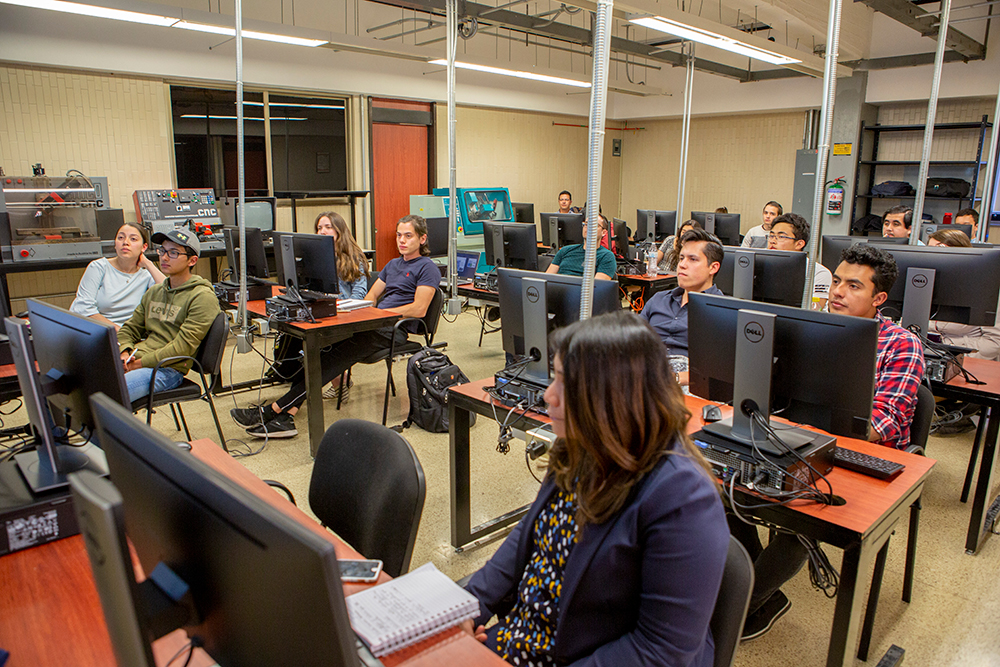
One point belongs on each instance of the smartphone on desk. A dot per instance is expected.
(363, 571)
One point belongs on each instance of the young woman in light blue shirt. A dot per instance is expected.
(352, 266)
(111, 287)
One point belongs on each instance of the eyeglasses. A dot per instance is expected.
(173, 253)
(774, 236)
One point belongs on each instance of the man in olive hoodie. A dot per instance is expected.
(171, 319)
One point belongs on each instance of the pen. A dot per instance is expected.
(130, 357)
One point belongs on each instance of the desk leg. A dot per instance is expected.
(314, 392)
(984, 415)
(461, 512)
(846, 614)
(984, 484)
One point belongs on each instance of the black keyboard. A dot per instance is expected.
(872, 466)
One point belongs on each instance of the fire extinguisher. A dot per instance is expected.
(835, 197)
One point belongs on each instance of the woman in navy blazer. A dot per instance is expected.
(619, 559)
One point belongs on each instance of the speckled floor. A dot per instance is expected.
(954, 618)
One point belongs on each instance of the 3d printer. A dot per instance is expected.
(44, 218)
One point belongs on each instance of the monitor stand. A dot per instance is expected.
(534, 313)
(744, 265)
(917, 297)
(752, 387)
(37, 470)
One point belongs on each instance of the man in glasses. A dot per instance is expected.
(791, 232)
(171, 319)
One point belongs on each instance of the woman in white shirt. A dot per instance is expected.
(112, 287)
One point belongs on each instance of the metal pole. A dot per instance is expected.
(925, 156)
(241, 313)
(598, 96)
(985, 205)
(454, 305)
(823, 148)
(685, 132)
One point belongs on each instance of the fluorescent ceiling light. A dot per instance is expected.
(515, 73)
(693, 34)
(249, 34)
(194, 115)
(294, 104)
(93, 10)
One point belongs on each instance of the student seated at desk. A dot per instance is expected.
(569, 259)
(112, 287)
(171, 320)
(619, 559)
(790, 231)
(670, 250)
(700, 259)
(352, 265)
(897, 223)
(406, 285)
(860, 285)
(756, 237)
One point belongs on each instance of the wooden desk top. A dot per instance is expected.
(643, 278)
(8, 370)
(352, 317)
(985, 370)
(51, 613)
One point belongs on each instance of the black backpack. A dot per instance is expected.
(429, 373)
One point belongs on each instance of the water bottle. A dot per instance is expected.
(651, 266)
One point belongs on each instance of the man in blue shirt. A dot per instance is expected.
(406, 285)
(699, 261)
(569, 259)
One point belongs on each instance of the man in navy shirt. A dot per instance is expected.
(700, 259)
(406, 286)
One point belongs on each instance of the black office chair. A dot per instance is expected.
(920, 428)
(732, 604)
(208, 362)
(426, 326)
(368, 487)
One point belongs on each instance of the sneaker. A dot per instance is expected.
(762, 620)
(281, 426)
(253, 415)
(334, 391)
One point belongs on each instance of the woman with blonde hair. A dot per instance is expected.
(619, 559)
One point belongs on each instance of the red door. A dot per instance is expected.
(401, 139)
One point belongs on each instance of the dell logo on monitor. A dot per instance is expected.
(743, 261)
(754, 332)
(919, 280)
(532, 294)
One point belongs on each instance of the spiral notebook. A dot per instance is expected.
(408, 609)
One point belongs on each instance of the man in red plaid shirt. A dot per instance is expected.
(860, 285)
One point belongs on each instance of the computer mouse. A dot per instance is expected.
(183, 445)
(711, 413)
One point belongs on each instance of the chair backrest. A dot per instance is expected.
(213, 346)
(368, 487)
(433, 314)
(731, 605)
(923, 414)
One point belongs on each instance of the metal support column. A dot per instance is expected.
(241, 313)
(986, 204)
(685, 132)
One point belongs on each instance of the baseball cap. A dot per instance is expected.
(181, 237)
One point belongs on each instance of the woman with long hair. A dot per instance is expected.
(111, 287)
(619, 559)
(352, 266)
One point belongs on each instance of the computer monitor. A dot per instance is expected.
(559, 229)
(621, 237)
(527, 316)
(256, 255)
(947, 284)
(927, 230)
(437, 236)
(523, 212)
(307, 261)
(724, 225)
(832, 246)
(76, 357)
(759, 274)
(260, 212)
(653, 225)
(780, 358)
(511, 244)
(262, 588)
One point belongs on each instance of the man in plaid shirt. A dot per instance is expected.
(860, 285)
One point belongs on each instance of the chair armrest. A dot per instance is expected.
(407, 320)
(281, 487)
(156, 368)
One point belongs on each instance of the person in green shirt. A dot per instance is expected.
(569, 259)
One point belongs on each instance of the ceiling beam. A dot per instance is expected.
(923, 22)
(897, 62)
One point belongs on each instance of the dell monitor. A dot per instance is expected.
(437, 236)
(724, 225)
(307, 261)
(511, 244)
(256, 256)
(832, 246)
(534, 303)
(524, 212)
(758, 274)
(654, 226)
(261, 587)
(781, 359)
(927, 230)
(561, 229)
(621, 238)
(947, 284)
